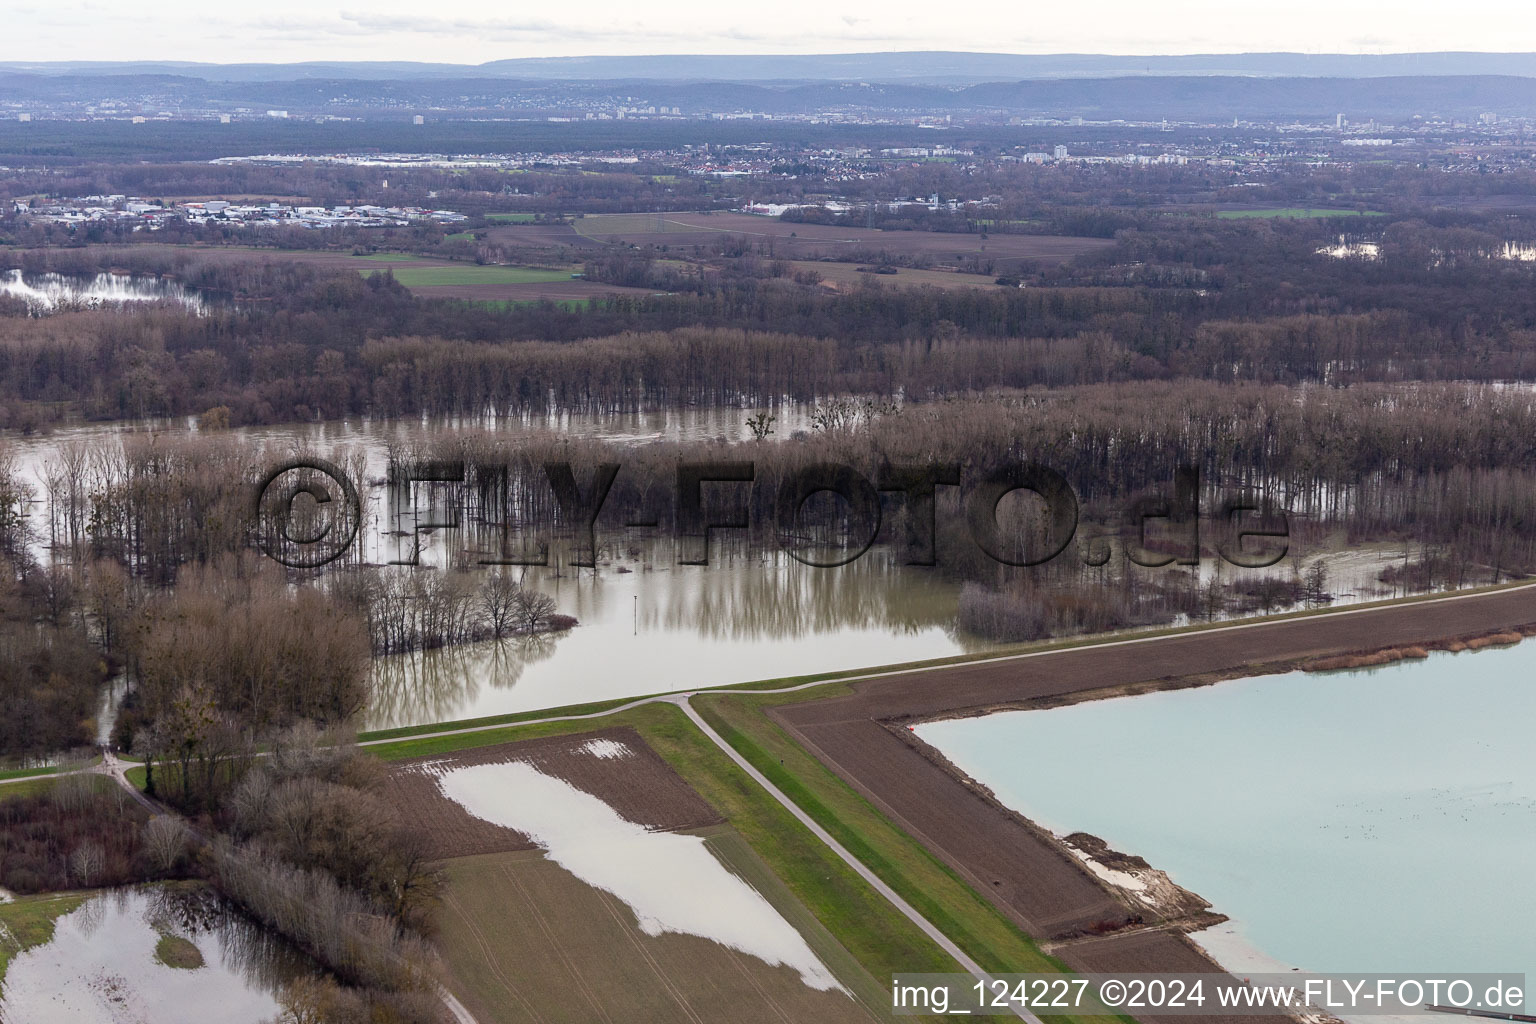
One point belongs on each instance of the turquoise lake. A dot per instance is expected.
(1380, 820)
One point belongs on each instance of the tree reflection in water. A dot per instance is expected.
(436, 685)
(665, 627)
(111, 939)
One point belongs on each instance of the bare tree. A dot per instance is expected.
(165, 841)
(74, 791)
(415, 882)
(532, 609)
(86, 863)
(15, 496)
(498, 601)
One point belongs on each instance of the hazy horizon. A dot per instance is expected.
(477, 32)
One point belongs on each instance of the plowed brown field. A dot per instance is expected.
(862, 737)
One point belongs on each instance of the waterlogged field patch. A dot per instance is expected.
(620, 913)
(615, 765)
(670, 881)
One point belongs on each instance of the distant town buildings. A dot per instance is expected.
(152, 215)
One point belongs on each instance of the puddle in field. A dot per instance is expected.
(672, 882)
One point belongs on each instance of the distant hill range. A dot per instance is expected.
(1204, 99)
(1274, 87)
(934, 67)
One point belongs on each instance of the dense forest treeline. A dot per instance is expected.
(1202, 300)
(1372, 460)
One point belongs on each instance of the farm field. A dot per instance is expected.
(848, 275)
(567, 291)
(645, 790)
(428, 274)
(581, 955)
(546, 237)
(590, 952)
(609, 226)
(863, 923)
(1294, 212)
(812, 241)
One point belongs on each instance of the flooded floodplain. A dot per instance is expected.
(167, 955)
(681, 627)
(647, 624)
(50, 293)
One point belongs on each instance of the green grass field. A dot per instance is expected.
(460, 236)
(178, 953)
(30, 787)
(511, 218)
(1295, 212)
(469, 274)
(29, 773)
(44, 784)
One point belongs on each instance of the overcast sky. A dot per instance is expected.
(473, 31)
